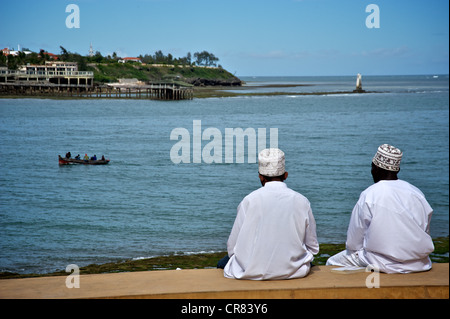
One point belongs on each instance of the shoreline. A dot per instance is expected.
(217, 92)
(201, 92)
(205, 261)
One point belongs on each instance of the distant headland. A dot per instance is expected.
(157, 76)
(198, 69)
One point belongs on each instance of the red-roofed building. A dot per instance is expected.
(51, 55)
(123, 60)
(5, 51)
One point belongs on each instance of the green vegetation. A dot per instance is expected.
(209, 260)
(326, 251)
(205, 58)
(156, 67)
(440, 253)
(14, 62)
(111, 72)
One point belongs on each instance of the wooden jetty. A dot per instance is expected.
(153, 91)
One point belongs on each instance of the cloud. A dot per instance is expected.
(279, 54)
(385, 52)
(276, 54)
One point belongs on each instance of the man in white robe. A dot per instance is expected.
(274, 234)
(390, 224)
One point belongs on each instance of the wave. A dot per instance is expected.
(186, 253)
(430, 92)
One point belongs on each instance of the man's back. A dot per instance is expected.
(274, 235)
(394, 217)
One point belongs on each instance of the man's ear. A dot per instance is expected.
(262, 179)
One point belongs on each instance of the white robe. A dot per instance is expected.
(390, 226)
(273, 236)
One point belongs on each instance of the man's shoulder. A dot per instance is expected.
(297, 194)
(257, 192)
(263, 191)
(391, 184)
(388, 188)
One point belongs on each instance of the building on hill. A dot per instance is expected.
(52, 56)
(51, 74)
(50, 67)
(129, 59)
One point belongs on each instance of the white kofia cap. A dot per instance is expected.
(271, 162)
(388, 157)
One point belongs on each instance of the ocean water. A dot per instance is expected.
(142, 204)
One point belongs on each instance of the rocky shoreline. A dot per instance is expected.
(207, 260)
(214, 82)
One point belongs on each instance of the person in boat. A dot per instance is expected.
(103, 158)
(274, 234)
(390, 224)
(94, 158)
(77, 157)
(86, 157)
(68, 155)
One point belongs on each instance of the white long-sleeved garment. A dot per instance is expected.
(273, 236)
(390, 225)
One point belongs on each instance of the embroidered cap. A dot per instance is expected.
(271, 162)
(388, 157)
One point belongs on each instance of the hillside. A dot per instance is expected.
(194, 75)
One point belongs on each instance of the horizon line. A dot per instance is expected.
(415, 74)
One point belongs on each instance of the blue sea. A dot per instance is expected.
(143, 204)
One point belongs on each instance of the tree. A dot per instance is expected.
(98, 57)
(169, 59)
(188, 58)
(147, 59)
(43, 56)
(2, 60)
(205, 58)
(32, 58)
(69, 57)
(64, 54)
(159, 57)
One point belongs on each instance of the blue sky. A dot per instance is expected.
(264, 37)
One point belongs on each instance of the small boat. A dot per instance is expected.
(70, 161)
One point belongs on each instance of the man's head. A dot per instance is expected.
(271, 162)
(386, 163)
